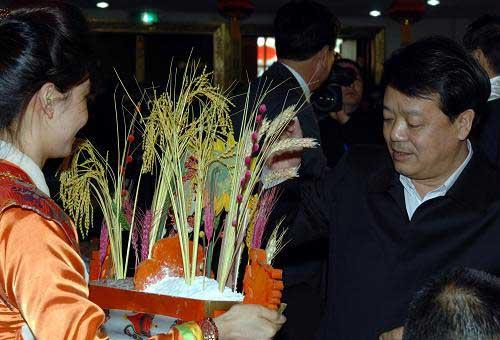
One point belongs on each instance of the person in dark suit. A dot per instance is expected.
(305, 33)
(460, 304)
(397, 215)
(482, 39)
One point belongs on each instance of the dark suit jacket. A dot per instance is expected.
(303, 266)
(286, 91)
(378, 257)
(489, 131)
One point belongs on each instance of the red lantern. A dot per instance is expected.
(235, 10)
(407, 12)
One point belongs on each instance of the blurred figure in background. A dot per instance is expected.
(357, 122)
(482, 40)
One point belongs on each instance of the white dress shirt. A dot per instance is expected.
(301, 81)
(412, 197)
(12, 154)
(495, 88)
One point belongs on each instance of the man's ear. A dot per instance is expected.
(323, 55)
(483, 61)
(47, 96)
(478, 54)
(320, 62)
(464, 123)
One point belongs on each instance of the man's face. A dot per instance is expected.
(351, 95)
(332, 55)
(423, 142)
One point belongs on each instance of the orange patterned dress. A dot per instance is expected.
(43, 287)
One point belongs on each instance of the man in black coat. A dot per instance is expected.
(482, 39)
(397, 215)
(305, 34)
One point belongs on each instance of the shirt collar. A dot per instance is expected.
(12, 154)
(495, 88)
(300, 80)
(407, 182)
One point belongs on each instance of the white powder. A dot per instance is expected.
(202, 288)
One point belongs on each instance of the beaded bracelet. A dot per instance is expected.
(209, 329)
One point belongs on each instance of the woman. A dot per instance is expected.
(44, 82)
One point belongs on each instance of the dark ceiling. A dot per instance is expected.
(447, 8)
(342, 8)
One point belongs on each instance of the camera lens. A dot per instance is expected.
(328, 98)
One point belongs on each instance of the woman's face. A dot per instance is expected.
(70, 115)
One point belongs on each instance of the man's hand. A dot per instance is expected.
(395, 334)
(341, 116)
(249, 322)
(290, 158)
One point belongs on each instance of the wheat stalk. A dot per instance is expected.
(280, 175)
(290, 144)
(276, 242)
(87, 174)
(177, 133)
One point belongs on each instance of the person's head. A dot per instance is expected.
(352, 95)
(306, 33)
(433, 89)
(482, 39)
(45, 69)
(462, 304)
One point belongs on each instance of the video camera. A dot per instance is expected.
(328, 98)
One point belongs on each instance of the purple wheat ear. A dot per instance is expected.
(135, 243)
(208, 219)
(103, 241)
(147, 222)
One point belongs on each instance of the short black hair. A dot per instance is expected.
(351, 62)
(303, 28)
(461, 304)
(439, 66)
(484, 34)
(40, 42)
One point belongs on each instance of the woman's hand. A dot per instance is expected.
(249, 322)
(395, 334)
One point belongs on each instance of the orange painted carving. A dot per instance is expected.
(102, 270)
(262, 283)
(166, 259)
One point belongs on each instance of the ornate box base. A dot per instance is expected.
(121, 295)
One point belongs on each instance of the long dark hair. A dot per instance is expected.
(40, 42)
